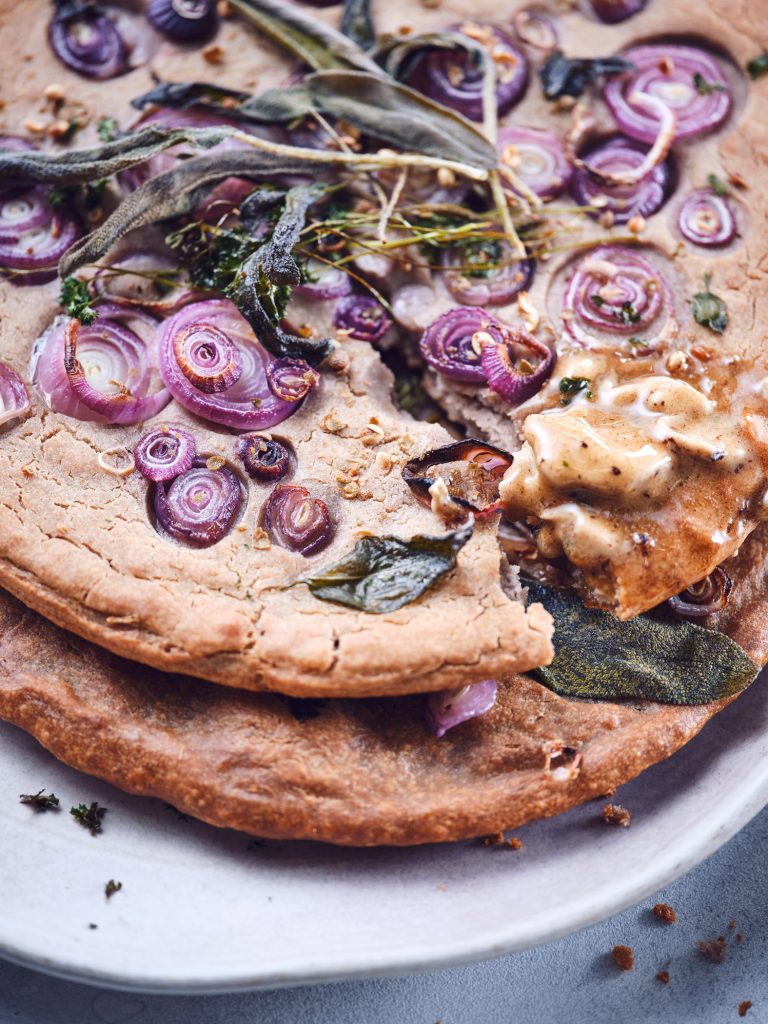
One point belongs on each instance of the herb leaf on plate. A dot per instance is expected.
(599, 657)
(709, 310)
(90, 816)
(357, 23)
(40, 801)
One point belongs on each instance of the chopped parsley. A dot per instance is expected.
(569, 387)
(40, 801)
(107, 128)
(717, 185)
(628, 314)
(596, 300)
(112, 887)
(703, 87)
(76, 301)
(709, 310)
(758, 66)
(89, 816)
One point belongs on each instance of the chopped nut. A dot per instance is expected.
(663, 977)
(713, 949)
(615, 814)
(214, 54)
(60, 129)
(623, 957)
(55, 92)
(33, 126)
(338, 361)
(676, 361)
(445, 177)
(215, 462)
(663, 912)
(224, 9)
(745, 1007)
(351, 490)
(636, 224)
(261, 539)
(737, 180)
(331, 423)
(607, 219)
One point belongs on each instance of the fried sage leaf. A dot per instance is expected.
(599, 657)
(382, 574)
(80, 165)
(275, 106)
(357, 23)
(276, 254)
(566, 76)
(310, 40)
(395, 113)
(709, 310)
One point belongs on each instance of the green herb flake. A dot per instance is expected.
(628, 314)
(89, 816)
(758, 66)
(107, 128)
(569, 387)
(717, 185)
(709, 310)
(382, 574)
(703, 87)
(112, 887)
(597, 300)
(40, 801)
(599, 657)
(76, 301)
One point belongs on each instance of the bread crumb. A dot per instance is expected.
(623, 957)
(739, 937)
(497, 839)
(713, 949)
(615, 814)
(663, 977)
(214, 54)
(744, 1007)
(663, 912)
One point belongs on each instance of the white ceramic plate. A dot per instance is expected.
(201, 911)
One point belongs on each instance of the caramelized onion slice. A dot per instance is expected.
(704, 598)
(471, 470)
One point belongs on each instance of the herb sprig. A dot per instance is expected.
(90, 816)
(40, 801)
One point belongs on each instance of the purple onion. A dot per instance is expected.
(449, 708)
(199, 506)
(325, 281)
(297, 521)
(184, 21)
(624, 201)
(248, 404)
(100, 373)
(485, 273)
(688, 80)
(536, 30)
(132, 281)
(537, 157)
(291, 379)
(33, 234)
(616, 290)
(507, 369)
(165, 453)
(447, 345)
(363, 316)
(707, 219)
(614, 11)
(209, 360)
(15, 142)
(453, 77)
(223, 200)
(14, 400)
(85, 38)
(704, 598)
(264, 459)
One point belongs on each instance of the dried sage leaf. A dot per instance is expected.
(397, 114)
(276, 254)
(709, 310)
(599, 657)
(566, 76)
(357, 23)
(275, 106)
(80, 165)
(311, 41)
(382, 574)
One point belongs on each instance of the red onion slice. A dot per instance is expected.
(614, 157)
(536, 30)
(449, 708)
(165, 453)
(704, 598)
(184, 21)
(536, 157)
(14, 400)
(617, 291)
(135, 280)
(207, 357)
(324, 281)
(200, 506)
(448, 344)
(363, 317)
(707, 219)
(265, 460)
(453, 78)
(485, 273)
(297, 521)
(248, 404)
(669, 74)
(115, 370)
(614, 11)
(507, 369)
(291, 379)
(88, 40)
(33, 235)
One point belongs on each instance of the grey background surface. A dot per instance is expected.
(572, 980)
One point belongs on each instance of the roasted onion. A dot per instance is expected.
(86, 38)
(485, 273)
(14, 400)
(33, 234)
(184, 21)
(298, 521)
(448, 344)
(613, 157)
(704, 598)
(707, 219)
(164, 453)
(264, 459)
(507, 368)
(363, 317)
(536, 157)
(199, 506)
(449, 708)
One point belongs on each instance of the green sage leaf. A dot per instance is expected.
(758, 66)
(275, 106)
(709, 310)
(599, 657)
(306, 38)
(382, 574)
(565, 76)
(75, 166)
(357, 23)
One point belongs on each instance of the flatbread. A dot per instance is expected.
(352, 772)
(77, 544)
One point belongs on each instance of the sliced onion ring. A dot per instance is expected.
(448, 346)
(449, 708)
(199, 506)
(607, 160)
(298, 521)
(704, 598)
(264, 458)
(33, 235)
(326, 281)
(164, 453)
(473, 479)
(87, 40)
(207, 357)
(363, 317)
(184, 21)
(495, 282)
(614, 11)
(707, 219)
(14, 400)
(291, 379)
(515, 380)
(536, 30)
(536, 157)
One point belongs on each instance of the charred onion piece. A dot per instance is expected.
(473, 482)
(363, 317)
(449, 708)
(291, 379)
(199, 506)
(514, 378)
(184, 21)
(207, 358)
(297, 521)
(265, 460)
(165, 453)
(704, 598)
